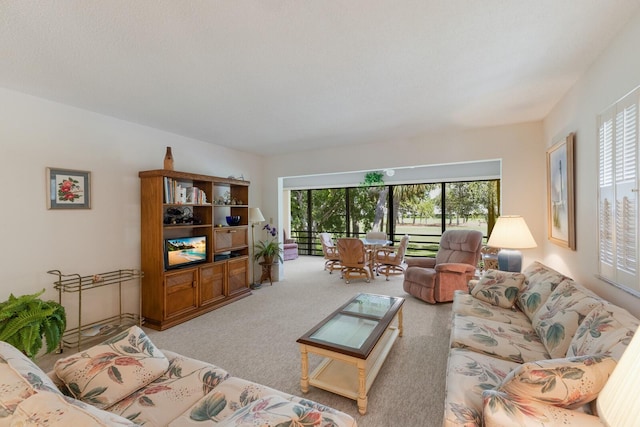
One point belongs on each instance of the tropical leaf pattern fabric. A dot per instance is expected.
(495, 350)
(510, 342)
(606, 330)
(558, 319)
(45, 409)
(108, 372)
(469, 374)
(501, 409)
(19, 379)
(274, 411)
(568, 383)
(235, 395)
(468, 305)
(540, 281)
(499, 288)
(184, 383)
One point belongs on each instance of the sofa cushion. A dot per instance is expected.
(559, 317)
(273, 410)
(468, 375)
(500, 409)
(516, 343)
(19, 379)
(607, 329)
(540, 281)
(568, 383)
(112, 370)
(184, 383)
(230, 396)
(499, 288)
(463, 303)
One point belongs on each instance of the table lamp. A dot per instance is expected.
(511, 233)
(618, 403)
(255, 216)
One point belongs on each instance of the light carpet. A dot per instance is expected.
(255, 339)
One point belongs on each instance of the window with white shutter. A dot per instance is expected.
(618, 192)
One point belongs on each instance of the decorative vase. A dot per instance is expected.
(168, 160)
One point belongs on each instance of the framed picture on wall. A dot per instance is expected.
(68, 189)
(560, 193)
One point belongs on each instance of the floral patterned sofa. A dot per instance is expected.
(127, 381)
(532, 348)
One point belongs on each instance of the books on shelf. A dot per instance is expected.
(179, 193)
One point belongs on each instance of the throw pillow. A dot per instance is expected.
(499, 287)
(539, 283)
(606, 330)
(112, 370)
(273, 410)
(558, 319)
(567, 383)
(53, 410)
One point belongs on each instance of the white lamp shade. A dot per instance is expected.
(511, 232)
(618, 402)
(255, 215)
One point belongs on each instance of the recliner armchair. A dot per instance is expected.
(436, 279)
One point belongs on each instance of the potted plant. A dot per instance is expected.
(26, 319)
(270, 249)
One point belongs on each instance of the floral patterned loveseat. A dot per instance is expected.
(532, 348)
(127, 381)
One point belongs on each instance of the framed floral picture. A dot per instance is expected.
(560, 193)
(68, 189)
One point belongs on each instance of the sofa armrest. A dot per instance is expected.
(421, 262)
(454, 267)
(472, 284)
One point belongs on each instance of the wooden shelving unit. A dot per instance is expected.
(86, 333)
(173, 296)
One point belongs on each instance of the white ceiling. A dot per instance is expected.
(267, 76)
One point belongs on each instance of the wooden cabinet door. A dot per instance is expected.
(181, 292)
(212, 283)
(228, 238)
(238, 275)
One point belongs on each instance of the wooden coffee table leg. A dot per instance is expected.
(362, 388)
(304, 378)
(400, 322)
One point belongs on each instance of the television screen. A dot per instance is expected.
(182, 251)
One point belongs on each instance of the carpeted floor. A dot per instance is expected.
(255, 339)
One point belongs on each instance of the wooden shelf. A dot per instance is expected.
(170, 297)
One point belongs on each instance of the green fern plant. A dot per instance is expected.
(26, 319)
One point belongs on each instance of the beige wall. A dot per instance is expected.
(34, 134)
(613, 75)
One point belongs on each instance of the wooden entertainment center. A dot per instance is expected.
(172, 296)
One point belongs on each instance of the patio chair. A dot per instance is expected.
(355, 259)
(389, 260)
(330, 252)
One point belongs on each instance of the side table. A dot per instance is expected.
(266, 272)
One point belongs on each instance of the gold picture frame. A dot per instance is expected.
(561, 221)
(68, 189)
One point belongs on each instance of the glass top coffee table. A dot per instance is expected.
(354, 341)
